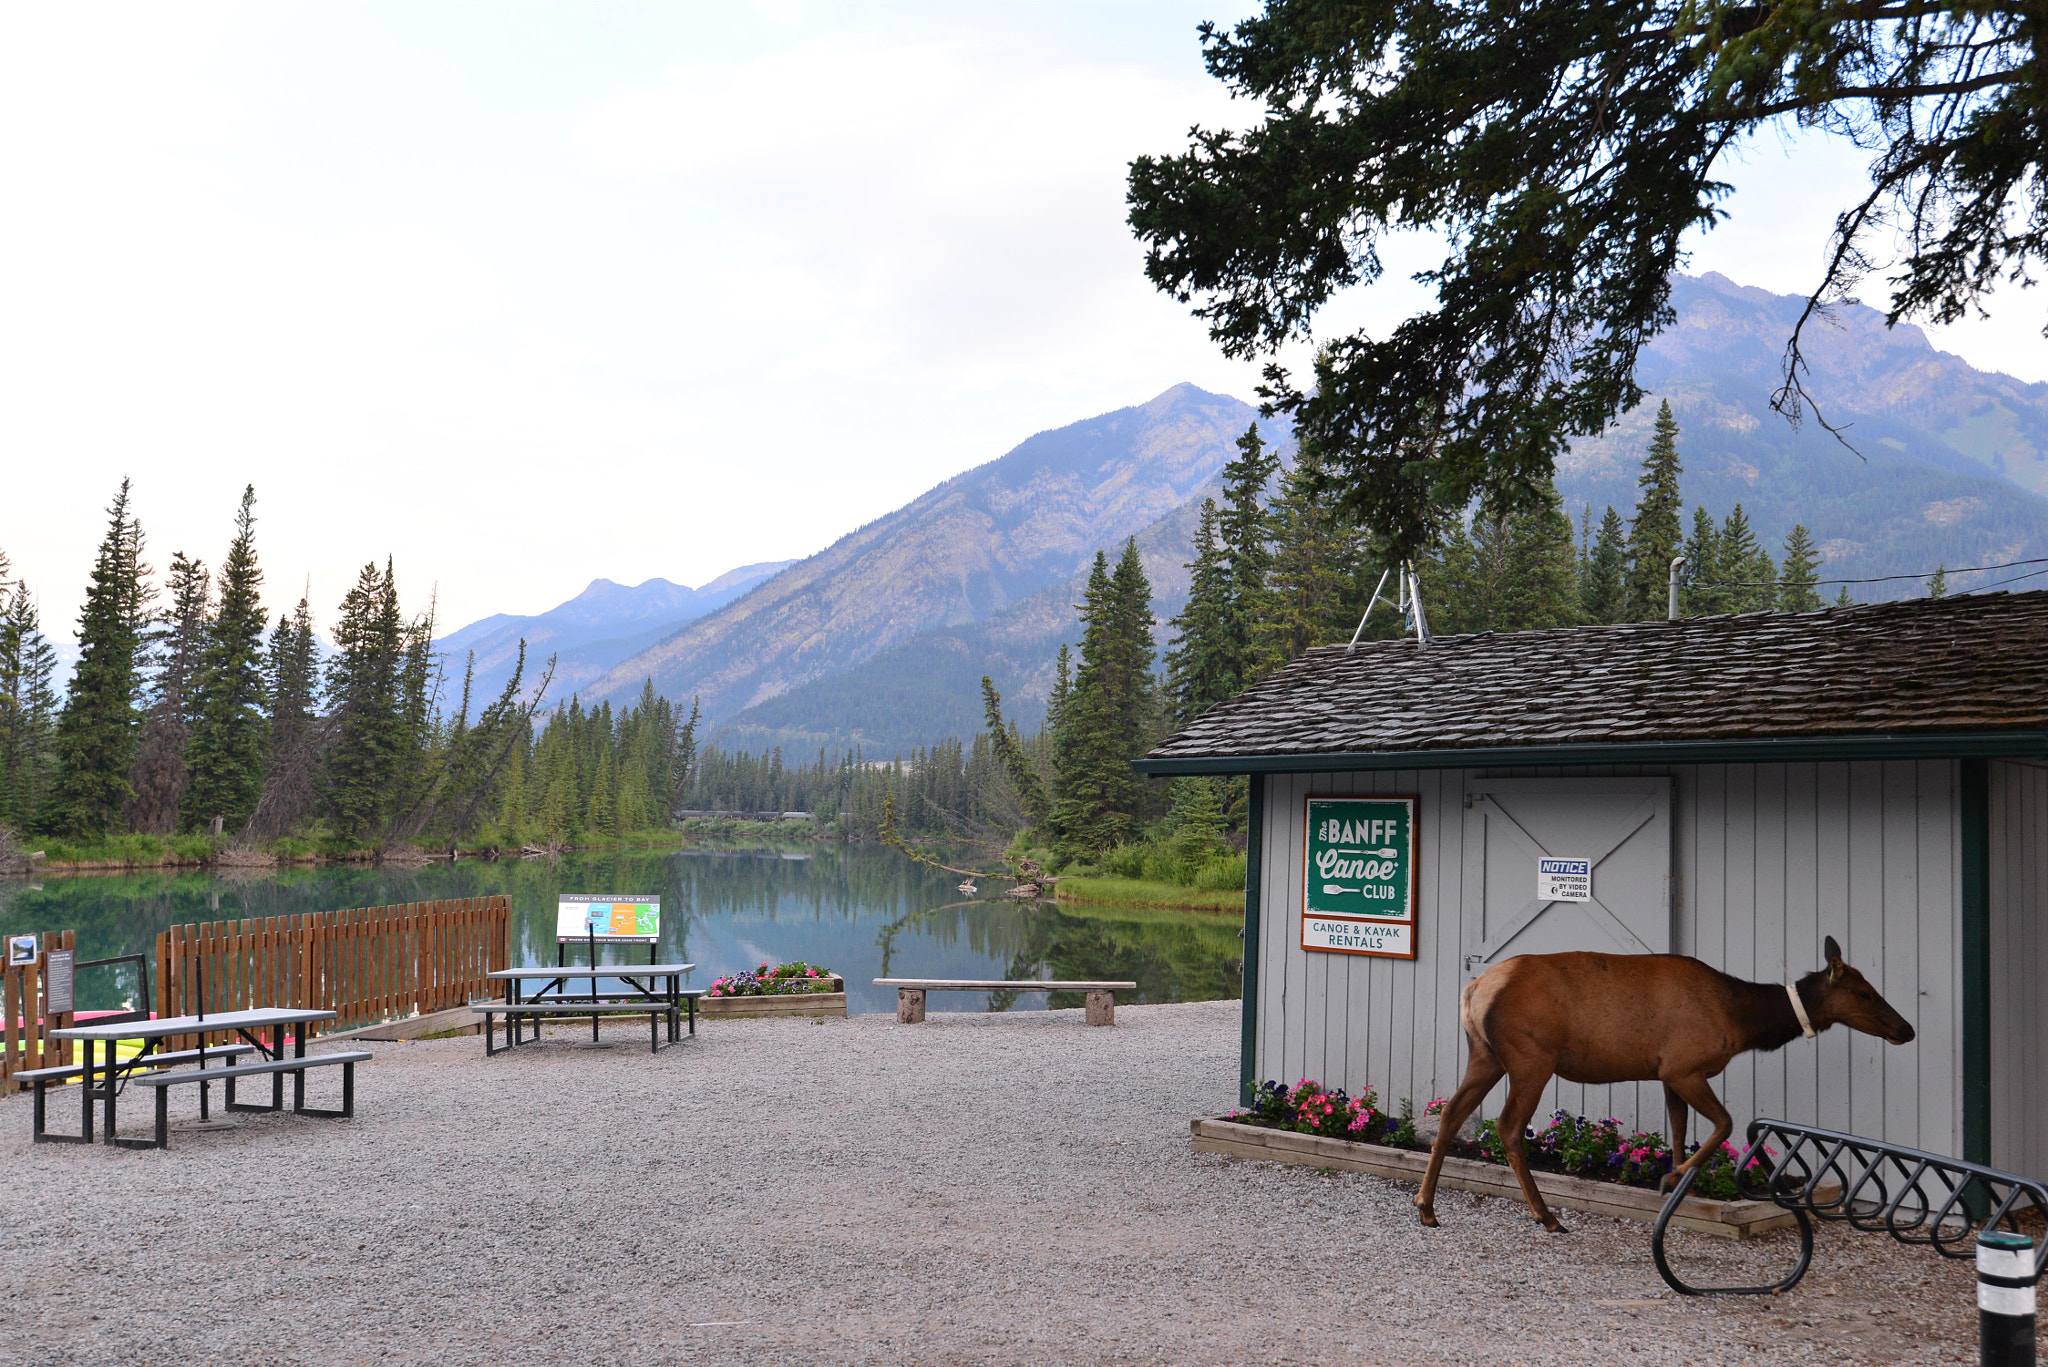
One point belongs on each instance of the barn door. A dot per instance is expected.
(1556, 864)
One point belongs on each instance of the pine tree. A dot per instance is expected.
(363, 686)
(1603, 576)
(174, 648)
(291, 769)
(1937, 583)
(1703, 591)
(1107, 719)
(1843, 600)
(1744, 562)
(100, 725)
(228, 728)
(1540, 588)
(1201, 661)
(1316, 556)
(1653, 537)
(28, 708)
(1244, 533)
(1801, 569)
(1062, 685)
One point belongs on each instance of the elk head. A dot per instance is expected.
(1845, 997)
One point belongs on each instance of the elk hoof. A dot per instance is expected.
(1554, 1227)
(1426, 1214)
(1666, 1182)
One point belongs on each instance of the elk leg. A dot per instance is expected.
(1523, 1094)
(1701, 1095)
(1481, 1072)
(1675, 1111)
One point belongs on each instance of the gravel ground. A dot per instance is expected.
(1009, 1188)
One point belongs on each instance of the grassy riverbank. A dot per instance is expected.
(119, 853)
(1145, 892)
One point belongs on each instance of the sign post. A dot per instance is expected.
(1358, 876)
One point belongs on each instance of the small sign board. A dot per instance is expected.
(1564, 880)
(58, 998)
(1359, 875)
(21, 950)
(608, 920)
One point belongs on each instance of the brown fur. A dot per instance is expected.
(1600, 1018)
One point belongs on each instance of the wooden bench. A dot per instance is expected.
(40, 1078)
(276, 1069)
(656, 1009)
(910, 992)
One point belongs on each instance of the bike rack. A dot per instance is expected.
(1914, 1196)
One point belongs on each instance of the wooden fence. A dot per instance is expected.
(22, 995)
(368, 964)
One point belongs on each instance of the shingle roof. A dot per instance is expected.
(1921, 667)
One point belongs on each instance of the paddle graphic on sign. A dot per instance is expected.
(1359, 876)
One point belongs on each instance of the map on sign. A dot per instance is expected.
(607, 919)
(1359, 876)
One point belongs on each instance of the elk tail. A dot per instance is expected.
(1473, 1009)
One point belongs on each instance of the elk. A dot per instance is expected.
(1634, 1018)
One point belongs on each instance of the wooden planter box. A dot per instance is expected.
(1730, 1219)
(831, 1003)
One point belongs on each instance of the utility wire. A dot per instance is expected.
(1884, 578)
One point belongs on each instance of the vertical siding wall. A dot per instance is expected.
(1769, 860)
(2019, 967)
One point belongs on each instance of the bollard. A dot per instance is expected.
(2005, 1299)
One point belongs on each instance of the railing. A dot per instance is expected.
(24, 1015)
(368, 964)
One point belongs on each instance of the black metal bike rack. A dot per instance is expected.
(1914, 1196)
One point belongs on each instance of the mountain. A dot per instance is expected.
(978, 544)
(881, 641)
(593, 631)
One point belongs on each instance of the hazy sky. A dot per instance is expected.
(527, 294)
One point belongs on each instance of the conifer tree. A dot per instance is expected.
(1315, 568)
(1603, 578)
(363, 691)
(1009, 753)
(174, 648)
(1062, 684)
(1540, 588)
(1802, 567)
(1244, 533)
(28, 707)
(1654, 535)
(1703, 592)
(1842, 598)
(100, 725)
(1107, 719)
(1937, 583)
(228, 727)
(291, 772)
(1201, 661)
(1747, 564)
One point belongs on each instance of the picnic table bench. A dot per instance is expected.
(103, 1080)
(640, 998)
(1101, 996)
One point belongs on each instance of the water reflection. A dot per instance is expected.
(863, 912)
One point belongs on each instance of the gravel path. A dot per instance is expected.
(1010, 1188)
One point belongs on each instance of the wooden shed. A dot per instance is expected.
(1735, 788)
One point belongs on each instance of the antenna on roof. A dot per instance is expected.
(1407, 601)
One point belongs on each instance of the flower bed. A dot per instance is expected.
(1578, 1164)
(791, 989)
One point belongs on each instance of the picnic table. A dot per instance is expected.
(653, 990)
(103, 1080)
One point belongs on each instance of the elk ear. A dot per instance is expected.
(1833, 952)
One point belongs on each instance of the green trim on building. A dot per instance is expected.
(1977, 745)
(1255, 830)
(1975, 804)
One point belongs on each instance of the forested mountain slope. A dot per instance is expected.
(979, 544)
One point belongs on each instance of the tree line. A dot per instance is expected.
(189, 710)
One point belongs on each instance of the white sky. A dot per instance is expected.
(528, 294)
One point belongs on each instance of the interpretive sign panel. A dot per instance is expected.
(1358, 876)
(21, 950)
(608, 920)
(58, 998)
(1564, 880)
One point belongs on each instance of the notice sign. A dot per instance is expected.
(1564, 880)
(608, 920)
(1359, 876)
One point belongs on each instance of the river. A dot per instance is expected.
(860, 911)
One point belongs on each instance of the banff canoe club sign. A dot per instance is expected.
(1358, 876)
